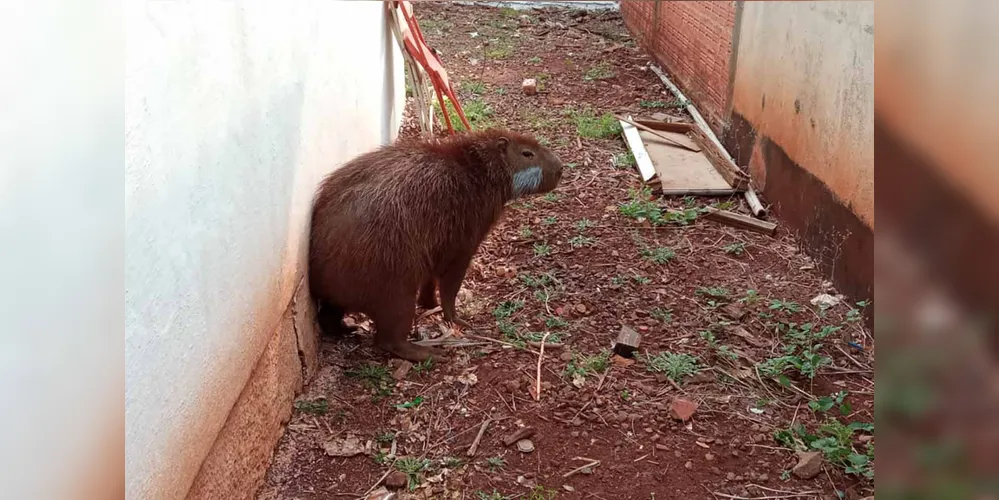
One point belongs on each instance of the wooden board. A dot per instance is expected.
(680, 169)
(638, 150)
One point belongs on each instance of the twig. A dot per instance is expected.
(602, 378)
(373, 486)
(652, 131)
(429, 312)
(577, 470)
(773, 490)
(504, 400)
(580, 410)
(541, 357)
(478, 437)
(856, 363)
(479, 337)
(793, 495)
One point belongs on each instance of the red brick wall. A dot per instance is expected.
(693, 43)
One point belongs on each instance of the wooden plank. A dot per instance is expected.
(740, 221)
(637, 147)
(700, 192)
(680, 169)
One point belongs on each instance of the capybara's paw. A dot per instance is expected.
(411, 352)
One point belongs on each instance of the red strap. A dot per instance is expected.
(421, 52)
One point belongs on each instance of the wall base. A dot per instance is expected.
(841, 244)
(238, 461)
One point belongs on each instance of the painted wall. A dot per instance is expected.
(804, 77)
(234, 112)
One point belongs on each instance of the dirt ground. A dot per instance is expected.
(725, 318)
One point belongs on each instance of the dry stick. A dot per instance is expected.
(580, 411)
(499, 342)
(373, 486)
(656, 133)
(794, 495)
(856, 363)
(478, 437)
(577, 470)
(773, 490)
(541, 356)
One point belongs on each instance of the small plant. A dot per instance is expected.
(662, 315)
(452, 462)
(624, 160)
(641, 207)
(495, 463)
(500, 91)
(318, 406)
(724, 205)
(579, 367)
(542, 249)
(498, 49)
(413, 403)
(495, 495)
(580, 241)
(722, 351)
(625, 395)
(472, 87)
(536, 281)
(412, 467)
(601, 71)
(683, 217)
(676, 103)
(541, 493)
(855, 314)
(592, 126)
(534, 61)
(736, 248)
(380, 458)
(835, 441)
(571, 166)
(619, 280)
(788, 306)
(526, 232)
(549, 220)
(713, 292)
(583, 224)
(375, 377)
(507, 308)
(551, 197)
(826, 403)
(676, 366)
(751, 297)
(424, 366)
(478, 113)
(658, 255)
(552, 322)
(641, 280)
(385, 437)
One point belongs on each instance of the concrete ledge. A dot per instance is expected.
(238, 461)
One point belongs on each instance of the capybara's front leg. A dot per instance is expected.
(330, 319)
(393, 323)
(428, 294)
(450, 283)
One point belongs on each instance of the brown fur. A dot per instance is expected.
(407, 217)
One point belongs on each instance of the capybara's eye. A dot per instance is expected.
(528, 153)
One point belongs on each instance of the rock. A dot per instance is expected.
(530, 86)
(709, 457)
(402, 370)
(682, 409)
(347, 447)
(396, 480)
(661, 447)
(565, 356)
(809, 465)
(733, 310)
(581, 308)
(825, 301)
(760, 438)
(574, 434)
(621, 361)
(689, 464)
(525, 446)
(730, 476)
(512, 385)
(380, 494)
(763, 477)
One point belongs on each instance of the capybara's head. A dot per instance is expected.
(533, 167)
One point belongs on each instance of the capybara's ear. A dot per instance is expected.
(502, 143)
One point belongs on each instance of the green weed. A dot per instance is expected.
(676, 103)
(318, 406)
(495, 463)
(472, 87)
(506, 309)
(592, 126)
(788, 306)
(583, 224)
(413, 469)
(600, 71)
(736, 248)
(658, 255)
(663, 315)
(580, 241)
(526, 232)
(542, 249)
(549, 220)
(534, 61)
(676, 366)
(478, 113)
(623, 160)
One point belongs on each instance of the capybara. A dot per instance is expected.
(408, 217)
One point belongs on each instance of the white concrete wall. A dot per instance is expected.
(805, 78)
(234, 112)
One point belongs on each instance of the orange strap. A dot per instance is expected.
(421, 52)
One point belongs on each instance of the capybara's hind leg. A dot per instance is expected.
(393, 323)
(330, 318)
(428, 294)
